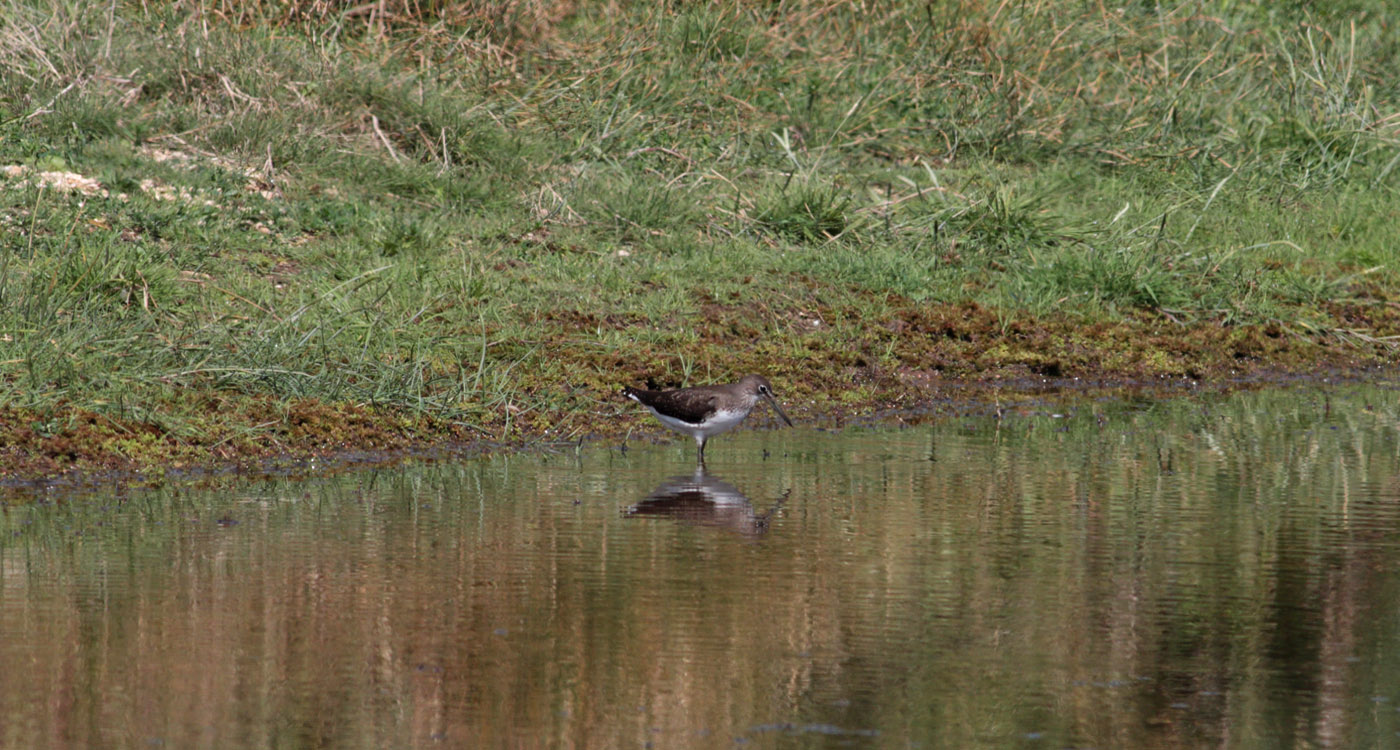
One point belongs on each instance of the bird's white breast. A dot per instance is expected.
(720, 421)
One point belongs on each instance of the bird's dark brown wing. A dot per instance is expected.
(692, 405)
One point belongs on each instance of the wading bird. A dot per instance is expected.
(707, 410)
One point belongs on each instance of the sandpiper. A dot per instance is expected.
(707, 410)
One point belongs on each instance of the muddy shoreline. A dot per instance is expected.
(42, 471)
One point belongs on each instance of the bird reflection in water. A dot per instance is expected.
(705, 500)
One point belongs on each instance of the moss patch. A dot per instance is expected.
(910, 357)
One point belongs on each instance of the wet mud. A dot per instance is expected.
(907, 363)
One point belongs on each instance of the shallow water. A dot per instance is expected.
(1187, 573)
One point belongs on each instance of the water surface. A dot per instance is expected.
(1186, 573)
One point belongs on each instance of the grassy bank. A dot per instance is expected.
(287, 229)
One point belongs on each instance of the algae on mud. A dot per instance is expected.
(292, 236)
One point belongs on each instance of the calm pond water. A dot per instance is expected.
(1184, 573)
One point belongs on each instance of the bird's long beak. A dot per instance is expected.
(774, 403)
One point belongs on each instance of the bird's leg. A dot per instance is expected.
(700, 456)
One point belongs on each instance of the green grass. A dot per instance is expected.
(450, 211)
